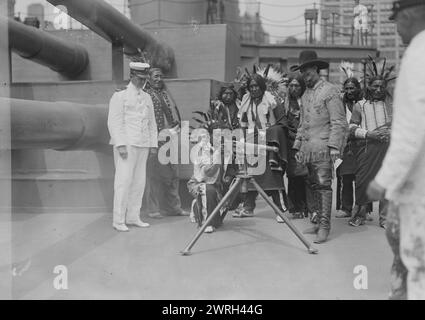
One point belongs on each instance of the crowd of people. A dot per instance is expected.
(320, 131)
(314, 123)
(309, 120)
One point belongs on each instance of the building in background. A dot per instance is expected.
(252, 29)
(159, 13)
(252, 26)
(288, 40)
(11, 8)
(382, 33)
(36, 11)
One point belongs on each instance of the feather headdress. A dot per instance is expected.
(275, 80)
(373, 72)
(347, 68)
(205, 121)
(240, 75)
(140, 57)
(209, 120)
(269, 73)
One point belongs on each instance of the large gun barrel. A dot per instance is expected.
(57, 125)
(44, 48)
(109, 23)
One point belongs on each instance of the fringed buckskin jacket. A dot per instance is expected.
(323, 123)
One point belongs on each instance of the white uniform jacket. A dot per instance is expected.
(131, 119)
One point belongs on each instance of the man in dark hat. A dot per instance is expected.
(401, 177)
(321, 137)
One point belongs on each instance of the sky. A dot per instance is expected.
(281, 18)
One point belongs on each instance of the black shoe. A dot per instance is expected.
(184, 213)
(243, 214)
(176, 214)
(296, 215)
(342, 214)
(155, 215)
(356, 221)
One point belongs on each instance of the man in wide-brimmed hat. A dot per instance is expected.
(321, 137)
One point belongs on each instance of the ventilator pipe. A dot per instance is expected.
(57, 125)
(69, 59)
(112, 25)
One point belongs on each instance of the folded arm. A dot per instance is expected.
(356, 119)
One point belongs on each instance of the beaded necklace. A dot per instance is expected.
(161, 102)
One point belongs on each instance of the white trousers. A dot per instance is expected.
(129, 184)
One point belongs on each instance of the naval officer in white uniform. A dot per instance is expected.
(132, 126)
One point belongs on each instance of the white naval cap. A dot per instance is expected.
(139, 66)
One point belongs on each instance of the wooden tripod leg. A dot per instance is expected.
(310, 248)
(216, 211)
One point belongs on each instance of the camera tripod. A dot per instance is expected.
(241, 183)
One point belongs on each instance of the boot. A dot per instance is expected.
(325, 216)
(312, 230)
(315, 228)
(322, 235)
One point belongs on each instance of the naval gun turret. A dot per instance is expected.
(69, 59)
(113, 26)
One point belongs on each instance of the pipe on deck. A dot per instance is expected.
(59, 55)
(109, 23)
(57, 125)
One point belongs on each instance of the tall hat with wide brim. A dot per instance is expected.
(308, 58)
(404, 4)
